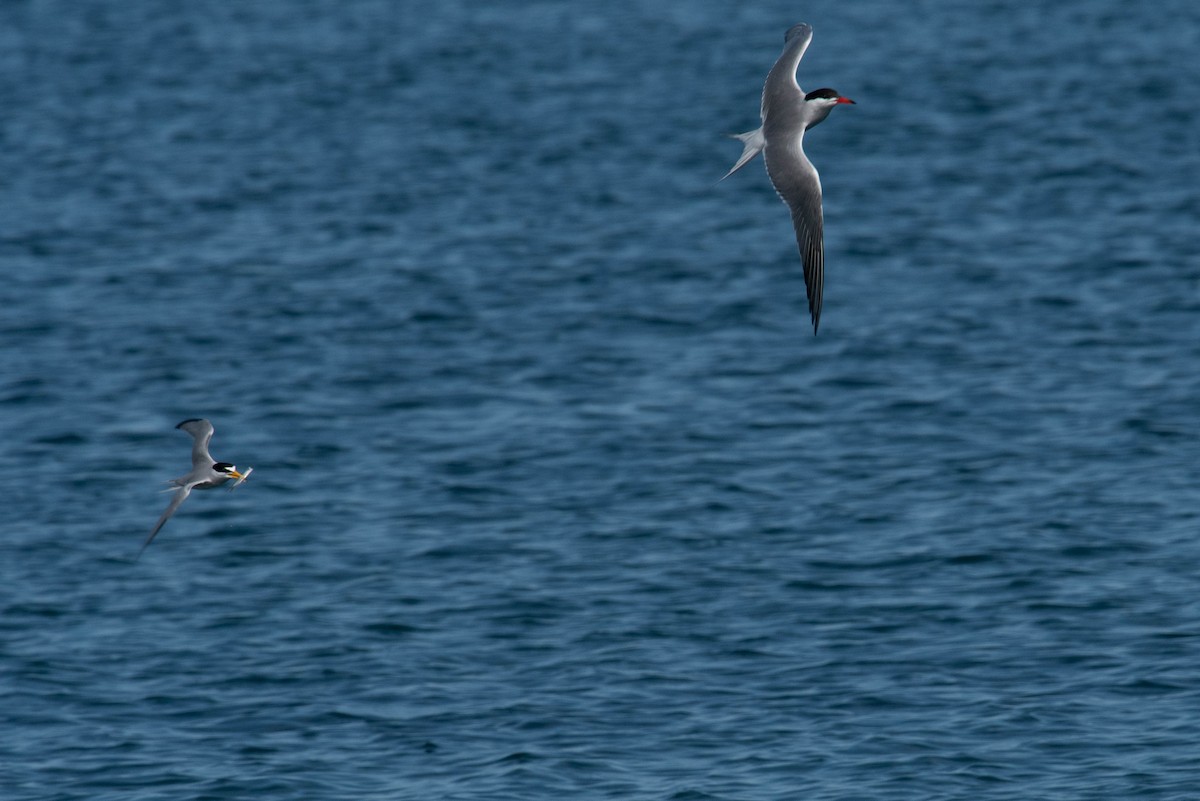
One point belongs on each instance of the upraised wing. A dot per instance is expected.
(781, 80)
(201, 431)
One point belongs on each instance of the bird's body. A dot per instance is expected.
(787, 112)
(206, 473)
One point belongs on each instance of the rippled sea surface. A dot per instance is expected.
(556, 495)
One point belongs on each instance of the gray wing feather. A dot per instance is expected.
(180, 495)
(201, 431)
(781, 80)
(797, 182)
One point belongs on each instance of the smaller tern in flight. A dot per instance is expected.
(205, 474)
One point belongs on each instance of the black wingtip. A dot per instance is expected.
(189, 420)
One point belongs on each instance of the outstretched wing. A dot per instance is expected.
(201, 431)
(797, 182)
(180, 496)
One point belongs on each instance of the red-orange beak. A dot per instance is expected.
(846, 100)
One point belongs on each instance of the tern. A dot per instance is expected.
(205, 474)
(787, 112)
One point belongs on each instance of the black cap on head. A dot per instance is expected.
(828, 94)
(223, 467)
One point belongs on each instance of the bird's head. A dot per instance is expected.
(227, 469)
(821, 102)
(827, 97)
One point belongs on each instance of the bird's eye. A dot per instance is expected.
(223, 467)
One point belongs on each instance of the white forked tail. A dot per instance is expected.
(752, 145)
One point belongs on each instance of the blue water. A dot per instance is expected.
(555, 493)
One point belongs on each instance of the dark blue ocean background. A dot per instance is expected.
(556, 495)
